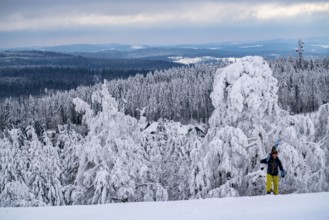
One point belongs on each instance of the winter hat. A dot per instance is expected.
(274, 151)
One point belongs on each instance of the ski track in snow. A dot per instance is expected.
(293, 206)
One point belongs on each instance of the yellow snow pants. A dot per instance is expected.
(272, 179)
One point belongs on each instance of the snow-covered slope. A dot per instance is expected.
(293, 206)
(203, 59)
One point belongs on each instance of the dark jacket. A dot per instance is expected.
(273, 165)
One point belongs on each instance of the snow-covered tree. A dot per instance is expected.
(244, 94)
(14, 161)
(33, 167)
(17, 194)
(68, 143)
(110, 159)
(244, 126)
(243, 91)
(168, 158)
(44, 169)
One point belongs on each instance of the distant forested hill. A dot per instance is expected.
(31, 72)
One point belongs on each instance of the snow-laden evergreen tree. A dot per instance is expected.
(111, 157)
(243, 91)
(244, 94)
(244, 126)
(13, 171)
(321, 136)
(199, 182)
(304, 160)
(169, 148)
(44, 169)
(13, 158)
(68, 143)
(30, 170)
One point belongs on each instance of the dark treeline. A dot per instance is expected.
(45, 58)
(180, 94)
(15, 82)
(24, 73)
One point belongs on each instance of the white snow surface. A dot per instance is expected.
(252, 46)
(321, 45)
(293, 206)
(195, 60)
(151, 128)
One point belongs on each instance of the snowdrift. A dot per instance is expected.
(294, 206)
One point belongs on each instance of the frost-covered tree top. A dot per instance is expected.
(244, 126)
(245, 88)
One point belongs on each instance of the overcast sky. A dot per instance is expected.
(43, 22)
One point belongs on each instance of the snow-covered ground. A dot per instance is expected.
(293, 206)
(204, 59)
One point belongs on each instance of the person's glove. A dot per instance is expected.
(283, 173)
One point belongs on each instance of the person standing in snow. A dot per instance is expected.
(274, 163)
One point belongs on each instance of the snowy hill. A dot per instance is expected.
(294, 206)
(269, 48)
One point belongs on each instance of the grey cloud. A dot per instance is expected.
(37, 8)
(25, 5)
(41, 8)
(160, 35)
(174, 21)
